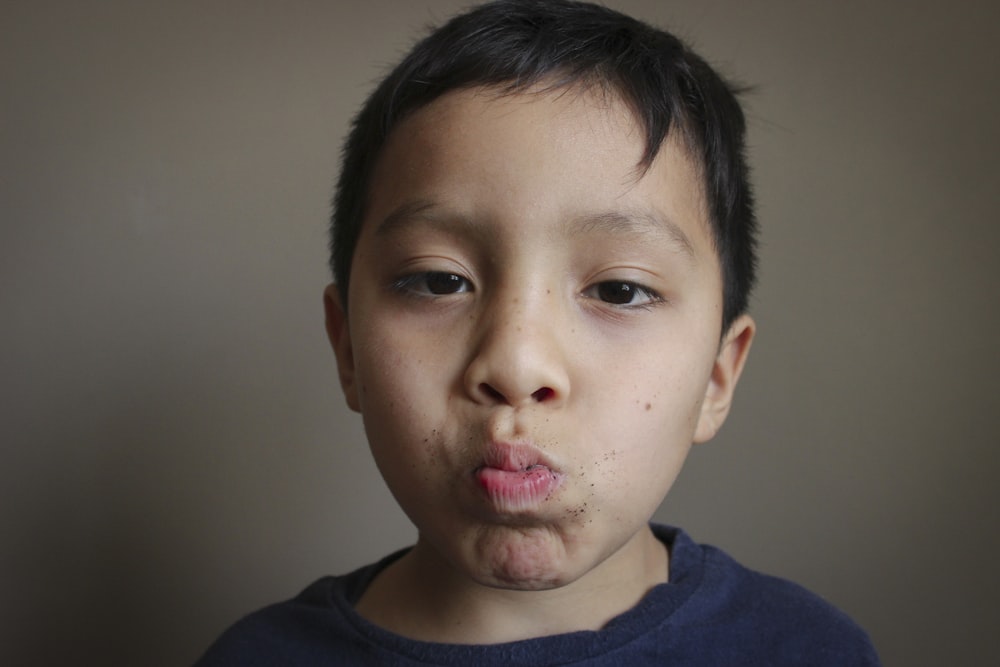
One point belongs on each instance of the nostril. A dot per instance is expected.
(542, 394)
(492, 393)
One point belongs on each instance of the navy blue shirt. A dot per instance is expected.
(713, 611)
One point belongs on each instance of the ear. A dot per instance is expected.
(725, 374)
(340, 339)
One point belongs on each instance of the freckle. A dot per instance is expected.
(649, 406)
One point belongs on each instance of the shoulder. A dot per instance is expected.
(743, 613)
(282, 633)
(306, 630)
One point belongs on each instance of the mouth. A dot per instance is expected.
(516, 477)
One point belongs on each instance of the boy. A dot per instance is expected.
(543, 243)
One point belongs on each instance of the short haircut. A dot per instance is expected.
(512, 45)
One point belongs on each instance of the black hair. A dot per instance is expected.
(512, 45)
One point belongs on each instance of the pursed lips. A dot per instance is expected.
(516, 476)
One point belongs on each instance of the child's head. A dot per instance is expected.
(513, 45)
(542, 224)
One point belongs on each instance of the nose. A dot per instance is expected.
(519, 356)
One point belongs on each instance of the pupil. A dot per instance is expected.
(617, 293)
(444, 283)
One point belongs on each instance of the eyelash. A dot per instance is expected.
(627, 288)
(419, 284)
(431, 284)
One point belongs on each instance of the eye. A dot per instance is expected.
(434, 283)
(623, 293)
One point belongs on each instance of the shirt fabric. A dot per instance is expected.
(712, 611)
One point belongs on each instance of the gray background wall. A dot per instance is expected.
(175, 451)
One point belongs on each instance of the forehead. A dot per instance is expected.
(535, 158)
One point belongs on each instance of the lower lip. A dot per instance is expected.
(517, 489)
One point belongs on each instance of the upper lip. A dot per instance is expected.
(514, 456)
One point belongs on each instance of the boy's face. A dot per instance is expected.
(533, 332)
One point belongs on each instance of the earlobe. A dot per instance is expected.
(340, 339)
(725, 374)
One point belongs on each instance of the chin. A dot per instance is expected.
(516, 558)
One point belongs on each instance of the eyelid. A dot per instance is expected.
(650, 297)
(415, 283)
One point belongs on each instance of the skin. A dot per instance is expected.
(520, 283)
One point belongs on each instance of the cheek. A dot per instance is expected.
(384, 372)
(657, 441)
(664, 397)
(400, 394)
(645, 435)
(386, 361)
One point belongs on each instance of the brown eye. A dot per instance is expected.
(623, 293)
(616, 292)
(445, 283)
(432, 283)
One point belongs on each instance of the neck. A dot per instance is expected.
(423, 597)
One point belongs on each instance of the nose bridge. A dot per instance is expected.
(519, 357)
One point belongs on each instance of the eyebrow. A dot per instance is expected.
(420, 209)
(437, 216)
(637, 223)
